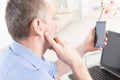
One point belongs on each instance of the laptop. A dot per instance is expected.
(109, 68)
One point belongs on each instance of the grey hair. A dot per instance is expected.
(20, 14)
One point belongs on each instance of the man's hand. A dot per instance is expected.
(70, 56)
(89, 43)
(64, 51)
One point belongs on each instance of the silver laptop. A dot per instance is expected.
(109, 68)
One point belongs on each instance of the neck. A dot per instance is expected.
(35, 45)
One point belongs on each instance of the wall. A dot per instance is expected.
(74, 4)
(94, 7)
(5, 38)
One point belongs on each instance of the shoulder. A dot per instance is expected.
(20, 72)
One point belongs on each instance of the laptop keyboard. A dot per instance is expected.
(98, 74)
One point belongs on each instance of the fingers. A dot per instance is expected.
(51, 41)
(105, 43)
(55, 43)
(106, 32)
(59, 41)
(105, 39)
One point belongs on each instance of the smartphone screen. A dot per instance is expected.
(100, 33)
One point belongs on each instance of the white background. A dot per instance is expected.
(5, 38)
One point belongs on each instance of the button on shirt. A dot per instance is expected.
(19, 63)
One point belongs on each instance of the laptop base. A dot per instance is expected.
(98, 73)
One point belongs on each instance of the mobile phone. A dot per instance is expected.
(100, 33)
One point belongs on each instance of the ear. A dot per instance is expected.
(36, 26)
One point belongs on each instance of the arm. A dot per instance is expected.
(62, 68)
(79, 70)
(69, 56)
(82, 49)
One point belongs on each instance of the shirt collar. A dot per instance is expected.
(25, 53)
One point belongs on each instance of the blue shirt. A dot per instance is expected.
(19, 63)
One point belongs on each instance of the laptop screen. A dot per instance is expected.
(111, 53)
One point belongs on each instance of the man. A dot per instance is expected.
(31, 25)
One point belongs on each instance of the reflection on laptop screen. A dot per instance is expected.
(111, 53)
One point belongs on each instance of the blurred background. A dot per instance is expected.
(74, 19)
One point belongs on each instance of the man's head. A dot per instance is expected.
(20, 14)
